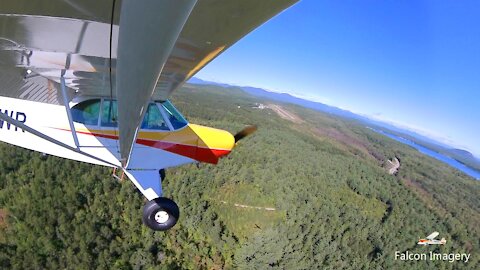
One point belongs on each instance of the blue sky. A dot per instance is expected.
(412, 63)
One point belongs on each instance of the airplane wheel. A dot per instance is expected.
(160, 214)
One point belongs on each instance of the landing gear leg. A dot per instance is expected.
(160, 214)
(162, 174)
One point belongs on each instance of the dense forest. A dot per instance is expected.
(307, 192)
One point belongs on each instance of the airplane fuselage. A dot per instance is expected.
(170, 144)
(154, 148)
(426, 242)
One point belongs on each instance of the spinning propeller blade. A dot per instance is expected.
(245, 132)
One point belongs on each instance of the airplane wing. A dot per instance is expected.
(432, 236)
(122, 49)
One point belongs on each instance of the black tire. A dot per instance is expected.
(158, 209)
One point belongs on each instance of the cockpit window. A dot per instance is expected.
(89, 111)
(176, 119)
(153, 118)
(86, 112)
(109, 113)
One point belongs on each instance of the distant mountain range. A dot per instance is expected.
(287, 98)
(460, 155)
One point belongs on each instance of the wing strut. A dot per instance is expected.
(69, 113)
(147, 34)
(35, 132)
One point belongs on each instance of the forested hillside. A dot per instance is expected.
(309, 191)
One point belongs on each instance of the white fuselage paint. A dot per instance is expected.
(52, 121)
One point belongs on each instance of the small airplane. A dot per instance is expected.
(90, 81)
(430, 240)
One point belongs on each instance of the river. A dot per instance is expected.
(445, 159)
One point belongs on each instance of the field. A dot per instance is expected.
(306, 191)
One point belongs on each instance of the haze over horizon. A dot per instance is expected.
(419, 131)
(412, 64)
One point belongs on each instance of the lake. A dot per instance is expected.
(445, 159)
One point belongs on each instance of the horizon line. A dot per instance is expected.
(406, 127)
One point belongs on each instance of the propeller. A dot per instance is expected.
(245, 132)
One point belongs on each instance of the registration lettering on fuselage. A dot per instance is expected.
(19, 116)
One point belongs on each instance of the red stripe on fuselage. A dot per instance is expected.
(194, 152)
(198, 153)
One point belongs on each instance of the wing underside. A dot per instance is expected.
(41, 41)
(432, 236)
(49, 36)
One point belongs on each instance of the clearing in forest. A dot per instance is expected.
(245, 209)
(285, 114)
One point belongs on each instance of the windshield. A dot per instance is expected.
(176, 119)
(153, 118)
